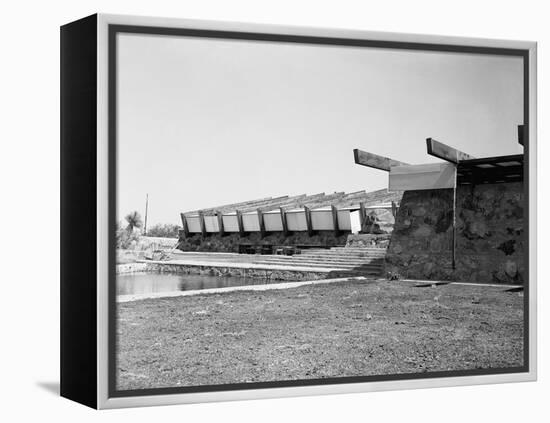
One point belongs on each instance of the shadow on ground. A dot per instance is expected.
(51, 387)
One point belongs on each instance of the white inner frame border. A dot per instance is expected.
(104, 402)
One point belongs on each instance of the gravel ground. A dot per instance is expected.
(341, 329)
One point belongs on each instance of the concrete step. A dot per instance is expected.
(328, 262)
(347, 264)
(233, 257)
(336, 256)
(376, 270)
(342, 256)
(346, 251)
(350, 253)
(323, 258)
(303, 253)
(204, 253)
(317, 257)
(355, 248)
(248, 257)
(350, 273)
(327, 265)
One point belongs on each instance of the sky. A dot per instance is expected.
(205, 122)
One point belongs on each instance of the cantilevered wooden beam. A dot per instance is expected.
(283, 221)
(307, 213)
(184, 225)
(375, 161)
(202, 224)
(261, 223)
(335, 220)
(362, 215)
(446, 152)
(240, 222)
(219, 215)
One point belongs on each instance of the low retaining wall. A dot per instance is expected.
(368, 240)
(130, 268)
(270, 274)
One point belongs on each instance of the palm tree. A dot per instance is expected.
(134, 221)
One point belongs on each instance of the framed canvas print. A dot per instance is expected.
(253, 211)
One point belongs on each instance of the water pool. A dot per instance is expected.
(147, 283)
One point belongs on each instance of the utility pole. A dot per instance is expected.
(146, 207)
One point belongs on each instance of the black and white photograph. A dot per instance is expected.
(294, 211)
(274, 211)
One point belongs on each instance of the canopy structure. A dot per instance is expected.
(490, 170)
(457, 168)
(320, 212)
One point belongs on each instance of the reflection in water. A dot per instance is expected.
(147, 283)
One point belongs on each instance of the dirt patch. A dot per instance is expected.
(347, 329)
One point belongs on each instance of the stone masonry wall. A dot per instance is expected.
(368, 240)
(227, 271)
(490, 235)
(230, 242)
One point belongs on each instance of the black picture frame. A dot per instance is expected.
(80, 50)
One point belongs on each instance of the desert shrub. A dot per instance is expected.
(393, 276)
(166, 230)
(126, 239)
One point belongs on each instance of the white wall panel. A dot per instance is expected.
(321, 220)
(211, 224)
(355, 221)
(344, 223)
(296, 221)
(230, 223)
(272, 222)
(251, 222)
(193, 224)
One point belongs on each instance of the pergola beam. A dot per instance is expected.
(375, 161)
(446, 152)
